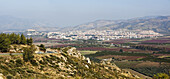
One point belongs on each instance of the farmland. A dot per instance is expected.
(146, 55)
(87, 52)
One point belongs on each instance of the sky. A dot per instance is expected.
(75, 12)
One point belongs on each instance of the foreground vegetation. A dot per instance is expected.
(8, 39)
(66, 64)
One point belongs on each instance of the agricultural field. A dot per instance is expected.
(87, 52)
(119, 57)
(146, 55)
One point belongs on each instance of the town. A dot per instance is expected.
(93, 34)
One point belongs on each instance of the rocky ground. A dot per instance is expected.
(66, 63)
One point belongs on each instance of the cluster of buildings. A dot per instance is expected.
(95, 34)
(34, 33)
(102, 35)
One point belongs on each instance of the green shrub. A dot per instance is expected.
(12, 61)
(161, 76)
(30, 71)
(33, 62)
(9, 77)
(5, 73)
(19, 62)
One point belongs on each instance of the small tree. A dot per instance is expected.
(121, 50)
(28, 53)
(42, 47)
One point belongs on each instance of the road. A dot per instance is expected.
(11, 53)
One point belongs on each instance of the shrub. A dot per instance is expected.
(19, 62)
(9, 77)
(12, 61)
(33, 62)
(30, 71)
(5, 73)
(161, 76)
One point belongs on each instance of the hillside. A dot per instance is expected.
(95, 25)
(67, 63)
(10, 23)
(159, 24)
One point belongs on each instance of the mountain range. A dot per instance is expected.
(160, 24)
(13, 24)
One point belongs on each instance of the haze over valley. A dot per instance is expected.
(84, 39)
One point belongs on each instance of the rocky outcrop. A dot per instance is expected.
(67, 63)
(1, 76)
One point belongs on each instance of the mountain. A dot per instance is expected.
(159, 24)
(95, 25)
(67, 63)
(9, 23)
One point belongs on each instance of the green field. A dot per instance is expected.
(87, 52)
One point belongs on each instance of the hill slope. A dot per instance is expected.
(9, 23)
(67, 63)
(159, 24)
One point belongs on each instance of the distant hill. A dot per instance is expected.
(9, 23)
(95, 25)
(159, 24)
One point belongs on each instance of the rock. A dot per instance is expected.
(1, 76)
(83, 58)
(87, 66)
(88, 60)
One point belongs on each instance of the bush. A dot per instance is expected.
(9, 77)
(5, 73)
(12, 61)
(34, 63)
(30, 71)
(161, 76)
(19, 62)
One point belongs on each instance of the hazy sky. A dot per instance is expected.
(74, 12)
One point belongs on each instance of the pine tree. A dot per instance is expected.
(23, 39)
(18, 39)
(12, 38)
(4, 43)
(30, 41)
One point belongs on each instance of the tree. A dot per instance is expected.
(121, 50)
(18, 39)
(12, 38)
(28, 53)
(42, 47)
(4, 43)
(30, 41)
(23, 39)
